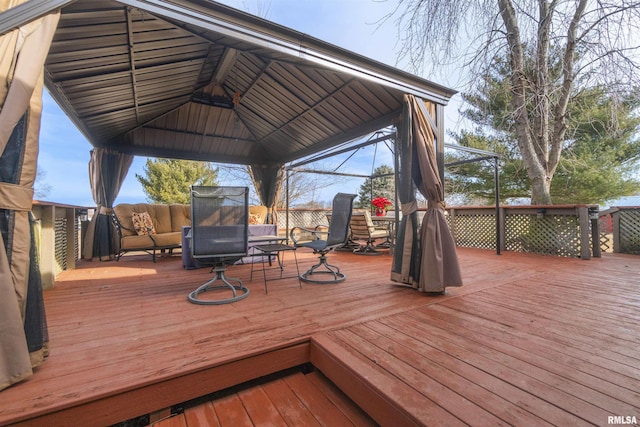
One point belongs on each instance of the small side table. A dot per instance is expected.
(262, 239)
(268, 250)
(389, 223)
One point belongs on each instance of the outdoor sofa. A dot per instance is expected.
(152, 227)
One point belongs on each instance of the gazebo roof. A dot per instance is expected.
(159, 78)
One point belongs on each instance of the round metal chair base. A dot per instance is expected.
(367, 249)
(325, 268)
(225, 285)
(337, 277)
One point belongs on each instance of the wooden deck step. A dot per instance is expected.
(519, 355)
(386, 400)
(294, 399)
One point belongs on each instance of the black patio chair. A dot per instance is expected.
(335, 236)
(219, 237)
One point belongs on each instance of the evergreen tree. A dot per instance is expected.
(602, 155)
(600, 152)
(169, 180)
(382, 185)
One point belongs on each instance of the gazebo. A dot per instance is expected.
(193, 79)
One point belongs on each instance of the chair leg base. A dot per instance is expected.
(225, 285)
(367, 249)
(328, 269)
(348, 247)
(337, 278)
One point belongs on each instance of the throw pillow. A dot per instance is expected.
(255, 219)
(143, 224)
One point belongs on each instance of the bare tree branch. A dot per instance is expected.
(597, 41)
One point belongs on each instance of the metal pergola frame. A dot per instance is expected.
(295, 167)
(485, 155)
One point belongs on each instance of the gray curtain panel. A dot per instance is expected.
(107, 171)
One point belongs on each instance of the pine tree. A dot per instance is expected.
(170, 180)
(382, 185)
(600, 157)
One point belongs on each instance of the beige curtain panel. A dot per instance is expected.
(267, 180)
(430, 264)
(23, 344)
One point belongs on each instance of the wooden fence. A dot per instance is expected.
(567, 230)
(620, 229)
(562, 230)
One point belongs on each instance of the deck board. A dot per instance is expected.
(293, 399)
(354, 413)
(556, 349)
(527, 340)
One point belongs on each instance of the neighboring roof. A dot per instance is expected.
(157, 78)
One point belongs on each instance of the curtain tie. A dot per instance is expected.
(105, 211)
(409, 207)
(15, 197)
(437, 204)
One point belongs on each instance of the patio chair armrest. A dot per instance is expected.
(119, 226)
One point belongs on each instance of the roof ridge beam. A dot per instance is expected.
(132, 63)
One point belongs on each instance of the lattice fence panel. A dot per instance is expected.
(551, 234)
(606, 241)
(605, 232)
(303, 218)
(630, 231)
(475, 230)
(60, 230)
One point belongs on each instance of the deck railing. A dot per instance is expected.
(572, 230)
(562, 230)
(60, 229)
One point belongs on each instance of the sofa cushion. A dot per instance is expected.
(180, 216)
(142, 223)
(136, 242)
(168, 239)
(161, 216)
(124, 212)
(145, 242)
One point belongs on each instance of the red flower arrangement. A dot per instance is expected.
(381, 204)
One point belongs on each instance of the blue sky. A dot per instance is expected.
(350, 24)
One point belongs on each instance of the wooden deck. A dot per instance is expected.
(529, 340)
(294, 399)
